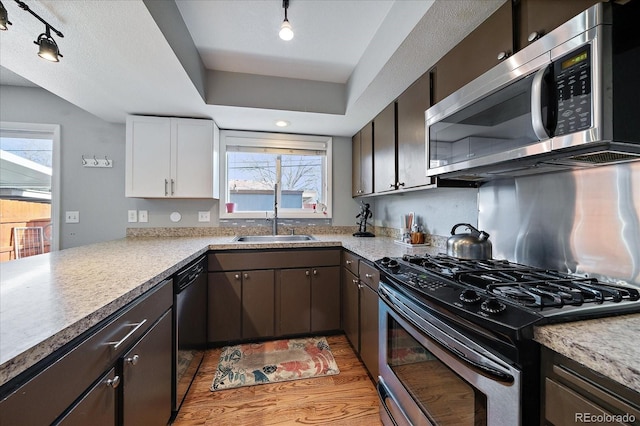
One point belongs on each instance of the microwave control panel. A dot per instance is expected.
(573, 90)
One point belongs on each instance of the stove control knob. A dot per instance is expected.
(469, 296)
(393, 265)
(493, 306)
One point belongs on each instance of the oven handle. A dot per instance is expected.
(491, 371)
(385, 396)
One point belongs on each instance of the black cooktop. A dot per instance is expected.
(506, 292)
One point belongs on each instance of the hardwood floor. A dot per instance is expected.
(349, 398)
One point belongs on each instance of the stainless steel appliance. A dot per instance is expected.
(190, 326)
(565, 101)
(456, 336)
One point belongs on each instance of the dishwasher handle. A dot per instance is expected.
(190, 274)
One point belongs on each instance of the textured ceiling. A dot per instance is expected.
(118, 61)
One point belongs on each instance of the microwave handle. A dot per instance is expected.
(536, 105)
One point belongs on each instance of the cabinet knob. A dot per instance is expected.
(392, 185)
(368, 276)
(315, 272)
(359, 286)
(400, 184)
(306, 273)
(113, 383)
(503, 55)
(534, 36)
(133, 360)
(349, 262)
(355, 282)
(236, 276)
(246, 276)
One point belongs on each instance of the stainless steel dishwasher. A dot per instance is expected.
(190, 326)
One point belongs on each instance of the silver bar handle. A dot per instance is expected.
(173, 186)
(536, 105)
(119, 343)
(166, 187)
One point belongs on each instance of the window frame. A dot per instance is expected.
(275, 141)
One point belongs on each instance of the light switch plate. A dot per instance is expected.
(132, 216)
(204, 216)
(143, 216)
(72, 217)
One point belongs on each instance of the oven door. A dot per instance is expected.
(431, 374)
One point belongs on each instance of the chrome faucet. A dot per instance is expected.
(275, 209)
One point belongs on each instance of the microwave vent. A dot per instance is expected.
(606, 157)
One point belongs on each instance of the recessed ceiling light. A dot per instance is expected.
(282, 123)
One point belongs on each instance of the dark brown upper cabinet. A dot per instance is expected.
(384, 150)
(362, 167)
(412, 104)
(539, 17)
(486, 46)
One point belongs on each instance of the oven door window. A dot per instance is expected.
(440, 393)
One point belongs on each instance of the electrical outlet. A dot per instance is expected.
(143, 216)
(72, 217)
(132, 216)
(204, 216)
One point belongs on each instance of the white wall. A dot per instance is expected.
(98, 193)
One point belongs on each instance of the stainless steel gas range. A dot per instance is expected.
(456, 336)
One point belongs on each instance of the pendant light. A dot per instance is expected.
(4, 18)
(286, 32)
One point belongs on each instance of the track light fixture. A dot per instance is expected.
(48, 48)
(286, 32)
(4, 18)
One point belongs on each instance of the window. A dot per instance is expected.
(260, 168)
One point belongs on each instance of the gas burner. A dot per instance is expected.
(495, 288)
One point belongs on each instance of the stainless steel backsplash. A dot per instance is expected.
(584, 222)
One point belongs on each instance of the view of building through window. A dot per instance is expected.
(251, 179)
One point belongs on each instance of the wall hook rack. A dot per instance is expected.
(93, 161)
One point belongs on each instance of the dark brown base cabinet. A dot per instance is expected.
(360, 309)
(119, 373)
(276, 293)
(574, 394)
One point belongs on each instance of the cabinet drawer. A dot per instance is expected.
(272, 259)
(350, 261)
(369, 275)
(72, 370)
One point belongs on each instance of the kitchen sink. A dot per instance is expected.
(273, 238)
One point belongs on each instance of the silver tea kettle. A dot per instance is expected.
(474, 245)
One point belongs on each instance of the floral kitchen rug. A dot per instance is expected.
(276, 361)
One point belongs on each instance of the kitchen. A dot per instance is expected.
(439, 208)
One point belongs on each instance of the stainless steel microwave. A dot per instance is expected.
(570, 99)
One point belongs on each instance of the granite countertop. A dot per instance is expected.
(606, 345)
(47, 300)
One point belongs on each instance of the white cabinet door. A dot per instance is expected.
(192, 154)
(148, 157)
(171, 158)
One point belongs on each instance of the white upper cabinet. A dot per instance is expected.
(171, 157)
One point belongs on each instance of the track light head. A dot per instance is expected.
(48, 48)
(4, 18)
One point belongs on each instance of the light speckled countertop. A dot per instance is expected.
(606, 345)
(47, 300)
